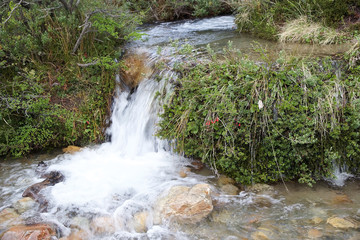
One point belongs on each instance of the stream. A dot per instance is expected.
(120, 180)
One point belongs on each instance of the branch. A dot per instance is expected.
(66, 5)
(87, 64)
(17, 5)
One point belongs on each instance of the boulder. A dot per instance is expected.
(224, 180)
(184, 172)
(197, 165)
(24, 205)
(140, 222)
(261, 188)
(136, 70)
(9, 217)
(342, 223)
(31, 232)
(41, 167)
(185, 204)
(230, 189)
(71, 149)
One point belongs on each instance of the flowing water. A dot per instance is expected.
(126, 176)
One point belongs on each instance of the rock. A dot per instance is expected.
(101, 225)
(77, 235)
(342, 223)
(140, 222)
(33, 191)
(80, 223)
(341, 199)
(136, 70)
(314, 233)
(185, 204)
(41, 167)
(24, 205)
(316, 220)
(9, 217)
(259, 236)
(224, 180)
(223, 216)
(71, 149)
(197, 164)
(184, 172)
(261, 188)
(31, 232)
(230, 189)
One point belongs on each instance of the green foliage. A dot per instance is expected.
(258, 122)
(57, 71)
(265, 18)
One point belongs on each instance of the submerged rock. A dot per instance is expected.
(224, 180)
(140, 222)
(101, 225)
(341, 199)
(185, 204)
(31, 232)
(77, 235)
(261, 188)
(184, 172)
(9, 217)
(342, 223)
(316, 220)
(24, 205)
(314, 233)
(230, 189)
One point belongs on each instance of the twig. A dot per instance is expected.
(87, 64)
(17, 5)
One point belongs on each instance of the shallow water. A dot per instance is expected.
(127, 175)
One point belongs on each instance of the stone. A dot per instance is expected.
(230, 189)
(314, 233)
(31, 232)
(261, 188)
(71, 149)
(9, 217)
(80, 223)
(103, 224)
(341, 199)
(224, 180)
(223, 216)
(33, 191)
(259, 236)
(77, 235)
(316, 220)
(197, 165)
(342, 223)
(185, 204)
(184, 172)
(24, 205)
(41, 167)
(135, 71)
(140, 222)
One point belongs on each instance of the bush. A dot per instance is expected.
(259, 122)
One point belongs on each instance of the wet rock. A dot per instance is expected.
(33, 191)
(259, 235)
(261, 188)
(341, 199)
(184, 172)
(230, 189)
(342, 223)
(262, 201)
(197, 165)
(31, 232)
(24, 205)
(71, 149)
(314, 233)
(77, 235)
(316, 220)
(9, 217)
(222, 216)
(41, 167)
(140, 222)
(80, 223)
(101, 225)
(224, 180)
(185, 204)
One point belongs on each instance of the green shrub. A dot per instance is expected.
(258, 122)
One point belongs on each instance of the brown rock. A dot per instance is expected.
(342, 223)
(71, 149)
(77, 235)
(185, 204)
(136, 70)
(230, 189)
(32, 232)
(261, 188)
(314, 233)
(341, 199)
(9, 217)
(24, 205)
(197, 164)
(184, 172)
(224, 180)
(101, 225)
(259, 236)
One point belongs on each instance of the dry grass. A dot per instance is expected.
(303, 30)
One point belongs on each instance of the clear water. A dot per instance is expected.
(127, 175)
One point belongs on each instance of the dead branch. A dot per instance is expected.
(10, 14)
(87, 64)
